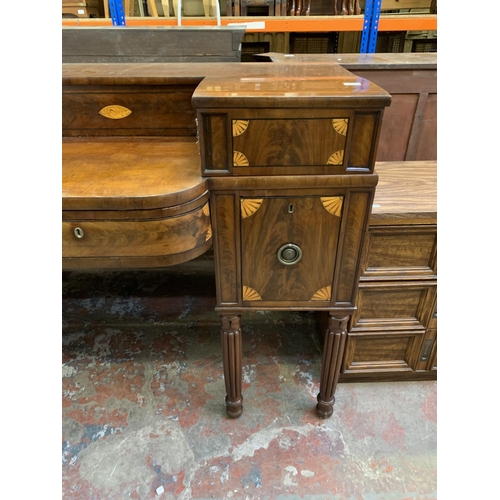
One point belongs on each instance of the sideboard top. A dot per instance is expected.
(241, 84)
(290, 85)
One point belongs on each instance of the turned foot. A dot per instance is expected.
(234, 408)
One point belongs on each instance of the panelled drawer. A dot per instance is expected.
(113, 111)
(388, 329)
(382, 352)
(400, 252)
(391, 306)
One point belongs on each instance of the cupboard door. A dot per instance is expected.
(289, 248)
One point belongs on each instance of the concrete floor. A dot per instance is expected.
(143, 403)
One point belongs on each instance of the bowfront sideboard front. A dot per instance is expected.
(271, 164)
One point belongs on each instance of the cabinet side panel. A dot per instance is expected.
(348, 269)
(363, 141)
(215, 138)
(224, 220)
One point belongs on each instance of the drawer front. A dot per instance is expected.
(266, 143)
(161, 111)
(404, 252)
(393, 306)
(311, 226)
(391, 352)
(122, 238)
(284, 141)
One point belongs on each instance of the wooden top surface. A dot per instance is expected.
(242, 84)
(404, 60)
(114, 174)
(406, 193)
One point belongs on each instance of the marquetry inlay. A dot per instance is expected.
(336, 158)
(333, 204)
(249, 206)
(340, 125)
(209, 233)
(250, 294)
(323, 294)
(115, 112)
(239, 126)
(206, 210)
(239, 159)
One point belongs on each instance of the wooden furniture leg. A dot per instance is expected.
(299, 8)
(231, 359)
(333, 352)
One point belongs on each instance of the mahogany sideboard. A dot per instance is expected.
(135, 195)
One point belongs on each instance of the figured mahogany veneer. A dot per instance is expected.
(277, 170)
(132, 203)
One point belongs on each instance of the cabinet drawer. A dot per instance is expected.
(393, 306)
(156, 111)
(400, 252)
(136, 239)
(390, 352)
(284, 143)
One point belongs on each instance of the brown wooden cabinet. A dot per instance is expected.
(392, 335)
(289, 156)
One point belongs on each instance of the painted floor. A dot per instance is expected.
(144, 415)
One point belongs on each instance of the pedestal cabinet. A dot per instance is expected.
(288, 152)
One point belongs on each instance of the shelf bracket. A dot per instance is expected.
(370, 26)
(116, 12)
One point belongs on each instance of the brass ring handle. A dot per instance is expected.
(78, 232)
(289, 254)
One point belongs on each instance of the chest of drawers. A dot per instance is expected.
(393, 333)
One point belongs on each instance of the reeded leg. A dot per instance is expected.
(231, 358)
(333, 351)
